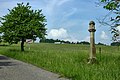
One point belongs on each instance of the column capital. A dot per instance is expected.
(92, 26)
(92, 23)
(91, 30)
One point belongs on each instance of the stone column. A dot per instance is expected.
(92, 55)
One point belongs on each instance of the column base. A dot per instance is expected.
(92, 60)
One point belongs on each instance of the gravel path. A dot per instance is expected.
(11, 69)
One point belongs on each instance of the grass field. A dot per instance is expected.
(69, 60)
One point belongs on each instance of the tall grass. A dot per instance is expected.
(69, 60)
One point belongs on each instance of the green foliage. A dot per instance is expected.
(53, 41)
(70, 60)
(49, 40)
(23, 22)
(103, 0)
(100, 43)
(111, 4)
(115, 44)
(62, 41)
(84, 42)
(114, 21)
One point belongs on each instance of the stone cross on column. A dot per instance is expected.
(92, 55)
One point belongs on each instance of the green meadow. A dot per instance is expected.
(69, 60)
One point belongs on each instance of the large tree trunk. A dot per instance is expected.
(22, 45)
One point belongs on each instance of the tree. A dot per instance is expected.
(0, 39)
(22, 23)
(114, 7)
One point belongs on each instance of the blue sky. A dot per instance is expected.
(67, 19)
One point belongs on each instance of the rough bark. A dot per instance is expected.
(22, 44)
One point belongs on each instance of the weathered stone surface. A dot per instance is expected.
(92, 55)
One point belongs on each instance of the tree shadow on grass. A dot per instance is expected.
(19, 51)
(14, 50)
(3, 45)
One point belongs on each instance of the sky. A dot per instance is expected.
(67, 19)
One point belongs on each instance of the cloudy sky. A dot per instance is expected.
(67, 19)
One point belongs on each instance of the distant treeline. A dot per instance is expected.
(66, 42)
(53, 41)
(115, 44)
(62, 41)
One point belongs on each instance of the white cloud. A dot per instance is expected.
(68, 13)
(62, 2)
(118, 28)
(103, 35)
(71, 12)
(37, 40)
(61, 34)
(87, 39)
(51, 5)
(58, 33)
(118, 38)
(71, 39)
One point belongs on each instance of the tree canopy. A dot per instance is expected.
(114, 7)
(22, 23)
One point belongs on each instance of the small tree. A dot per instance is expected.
(114, 21)
(21, 23)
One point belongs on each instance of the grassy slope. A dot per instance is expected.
(69, 60)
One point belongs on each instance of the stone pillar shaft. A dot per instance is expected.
(92, 46)
(92, 55)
